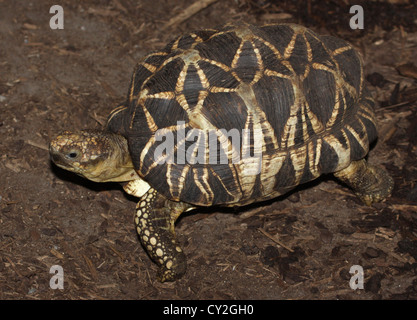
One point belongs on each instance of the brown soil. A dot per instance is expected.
(300, 246)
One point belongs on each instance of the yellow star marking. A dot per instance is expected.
(116, 111)
(270, 46)
(341, 50)
(203, 184)
(272, 73)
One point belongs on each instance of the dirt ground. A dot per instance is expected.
(300, 246)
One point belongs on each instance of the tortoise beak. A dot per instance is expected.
(57, 157)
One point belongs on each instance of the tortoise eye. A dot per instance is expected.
(72, 155)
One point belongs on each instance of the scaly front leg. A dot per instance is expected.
(155, 219)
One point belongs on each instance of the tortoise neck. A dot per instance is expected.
(121, 148)
(121, 158)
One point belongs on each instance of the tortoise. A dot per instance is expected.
(231, 116)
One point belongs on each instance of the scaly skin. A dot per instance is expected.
(371, 184)
(155, 218)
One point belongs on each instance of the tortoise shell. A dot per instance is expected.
(282, 104)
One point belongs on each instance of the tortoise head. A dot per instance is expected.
(99, 156)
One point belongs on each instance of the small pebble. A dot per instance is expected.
(326, 236)
(249, 250)
(314, 244)
(344, 274)
(371, 252)
(269, 256)
(376, 79)
(374, 283)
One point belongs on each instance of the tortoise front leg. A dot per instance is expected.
(370, 183)
(155, 218)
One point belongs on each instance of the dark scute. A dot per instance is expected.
(275, 97)
(341, 138)
(116, 124)
(270, 148)
(320, 54)
(186, 42)
(310, 130)
(328, 158)
(247, 64)
(205, 34)
(165, 112)
(348, 61)
(190, 190)
(370, 129)
(319, 90)
(351, 68)
(165, 79)
(135, 120)
(170, 46)
(299, 131)
(149, 160)
(136, 144)
(278, 35)
(220, 175)
(351, 105)
(137, 134)
(157, 177)
(218, 77)
(298, 58)
(342, 115)
(307, 175)
(257, 190)
(155, 59)
(220, 48)
(225, 111)
(286, 175)
(175, 172)
(356, 151)
(358, 128)
(139, 76)
(333, 43)
(270, 59)
(192, 86)
(156, 182)
(193, 194)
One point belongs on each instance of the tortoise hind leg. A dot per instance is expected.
(155, 218)
(370, 183)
